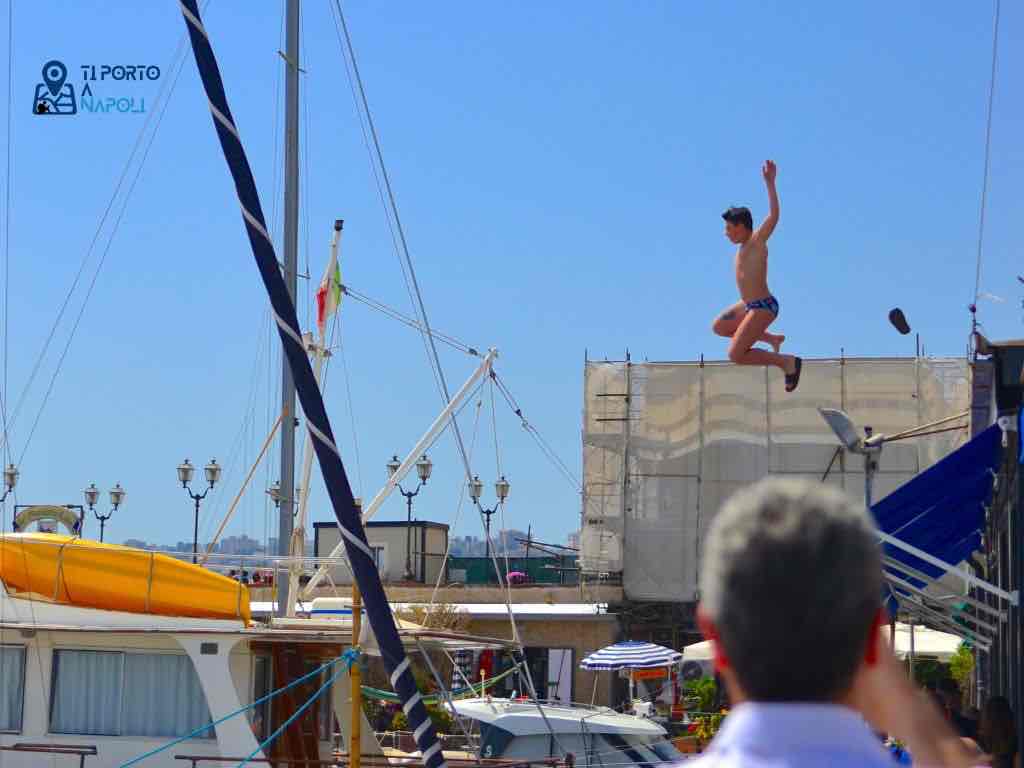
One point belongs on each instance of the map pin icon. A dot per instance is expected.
(54, 75)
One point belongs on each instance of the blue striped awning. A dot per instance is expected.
(942, 510)
(631, 654)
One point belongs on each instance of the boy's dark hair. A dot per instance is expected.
(739, 216)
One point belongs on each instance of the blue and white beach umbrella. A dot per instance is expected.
(631, 654)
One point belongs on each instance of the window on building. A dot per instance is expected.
(110, 693)
(12, 687)
(378, 557)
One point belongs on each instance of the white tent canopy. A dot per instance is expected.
(927, 643)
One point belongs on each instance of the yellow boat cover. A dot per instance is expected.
(90, 574)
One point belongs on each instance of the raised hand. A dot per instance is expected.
(768, 171)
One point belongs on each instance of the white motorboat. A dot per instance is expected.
(594, 736)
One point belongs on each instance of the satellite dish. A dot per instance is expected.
(843, 428)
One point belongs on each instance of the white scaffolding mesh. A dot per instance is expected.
(664, 444)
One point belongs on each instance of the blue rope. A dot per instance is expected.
(344, 657)
(349, 657)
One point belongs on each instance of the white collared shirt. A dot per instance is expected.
(770, 735)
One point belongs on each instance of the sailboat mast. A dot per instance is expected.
(291, 260)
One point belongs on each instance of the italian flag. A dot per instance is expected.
(328, 295)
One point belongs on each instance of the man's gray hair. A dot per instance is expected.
(792, 579)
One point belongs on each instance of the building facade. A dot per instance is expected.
(998, 396)
(665, 444)
(404, 552)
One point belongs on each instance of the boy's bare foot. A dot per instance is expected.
(776, 341)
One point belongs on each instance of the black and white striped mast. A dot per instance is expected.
(350, 525)
(291, 261)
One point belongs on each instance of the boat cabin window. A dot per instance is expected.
(259, 715)
(114, 693)
(12, 687)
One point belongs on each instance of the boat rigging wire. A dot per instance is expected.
(99, 267)
(406, 256)
(155, 118)
(409, 321)
(988, 144)
(376, 170)
(7, 223)
(462, 500)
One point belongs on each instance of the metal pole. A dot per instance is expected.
(103, 524)
(408, 536)
(487, 542)
(291, 246)
(911, 672)
(356, 679)
(870, 465)
(195, 531)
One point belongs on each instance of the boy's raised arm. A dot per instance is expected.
(768, 225)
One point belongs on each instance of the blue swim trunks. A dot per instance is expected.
(769, 303)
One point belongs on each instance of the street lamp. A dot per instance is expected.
(424, 466)
(274, 492)
(92, 495)
(10, 480)
(476, 490)
(185, 472)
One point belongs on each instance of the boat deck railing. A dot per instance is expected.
(406, 741)
(81, 751)
(528, 702)
(341, 760)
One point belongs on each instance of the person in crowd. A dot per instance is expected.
(997, 734)
(953, 700)
(791, 600)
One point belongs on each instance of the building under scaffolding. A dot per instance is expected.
(664, 444)
(999, 393)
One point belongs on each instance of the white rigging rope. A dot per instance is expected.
(155, 118)
(395, 314)
(988, 144)
(7, 224)
(242, 441)
(462, 499)
(543, 444)
(405, 255)
(376, 169)
(351, 417)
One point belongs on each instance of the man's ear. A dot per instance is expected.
(873, 649)
(710, 631)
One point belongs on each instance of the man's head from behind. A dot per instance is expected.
(739, 224)
(791, 585)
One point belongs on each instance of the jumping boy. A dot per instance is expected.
(747, 321)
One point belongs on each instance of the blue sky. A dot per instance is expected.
(560, 170)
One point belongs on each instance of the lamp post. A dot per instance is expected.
(476, 490)
(424, 467)
(10, 480)
(185, 472)
(92, 494)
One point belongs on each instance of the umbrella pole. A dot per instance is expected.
(355, 677)
(911, 650)
(593, 694)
